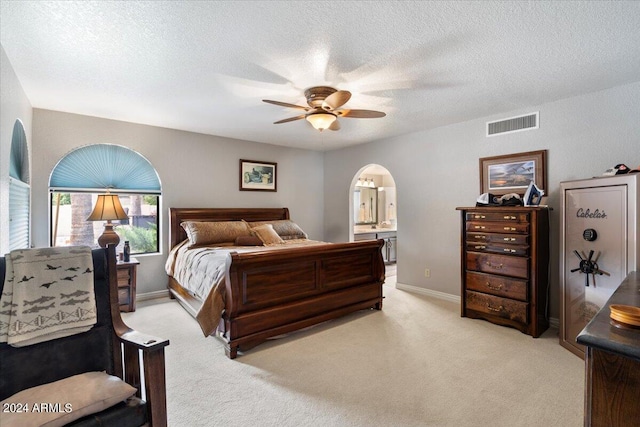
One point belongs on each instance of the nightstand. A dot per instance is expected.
(127, 284)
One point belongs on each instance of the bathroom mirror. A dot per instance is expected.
(365, 205)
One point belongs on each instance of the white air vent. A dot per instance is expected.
(513, 124)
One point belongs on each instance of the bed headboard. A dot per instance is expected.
(178, 215)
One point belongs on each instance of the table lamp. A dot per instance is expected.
(108, 208)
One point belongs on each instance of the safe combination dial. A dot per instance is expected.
(589, 266)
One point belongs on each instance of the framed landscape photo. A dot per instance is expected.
(512, 173)
(256, 175)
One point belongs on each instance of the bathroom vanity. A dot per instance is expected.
(389, 251)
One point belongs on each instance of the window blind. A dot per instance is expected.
(102, 166)
(18, 214)
(19, 157)
(19, 189)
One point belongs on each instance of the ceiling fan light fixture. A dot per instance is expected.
(323, 110)
(321, 120)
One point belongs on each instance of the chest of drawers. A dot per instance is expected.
(505, 266)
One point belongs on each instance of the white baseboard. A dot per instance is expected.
(153, 295)
(429, 292)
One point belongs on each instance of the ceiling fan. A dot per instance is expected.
(324, 108)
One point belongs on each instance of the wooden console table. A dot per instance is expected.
(612, 387)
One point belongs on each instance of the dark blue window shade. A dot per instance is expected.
(101, 166)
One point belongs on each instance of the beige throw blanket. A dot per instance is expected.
(48, 294)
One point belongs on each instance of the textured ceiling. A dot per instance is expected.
(205, 66)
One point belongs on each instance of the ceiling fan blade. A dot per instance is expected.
(360, 114)
(285, 104)
(335, 125)
(290, 119)
(336, 100)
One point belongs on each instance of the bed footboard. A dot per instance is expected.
(271, 293)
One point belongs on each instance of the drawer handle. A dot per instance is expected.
(479, 227)
(509, 217)
(481, 247)
(492, 287)
(513, 251)
(496, 266)
(509, 239)
(497, 310)
(479, 216)
(482, 236)
(510, 228)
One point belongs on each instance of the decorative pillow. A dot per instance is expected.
(248, 241)
(72, 398)
(267, 234)
(207, 233)
(285, 228)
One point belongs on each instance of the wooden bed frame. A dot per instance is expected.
(272, 293)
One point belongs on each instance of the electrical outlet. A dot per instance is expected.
(427, 272)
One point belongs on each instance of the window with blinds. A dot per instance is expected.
(18, 214)
(19, 190)
(84, 173)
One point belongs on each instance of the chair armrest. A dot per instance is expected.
(142, 341)
(152, 349)
(134, 342)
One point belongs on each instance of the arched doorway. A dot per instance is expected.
(373, 210)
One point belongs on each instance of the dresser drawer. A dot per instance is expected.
(497, 285)
(498, 264)
(510, 239)
(498, 227)
(498, 216)
(124, 275)
(502, 307)
(498, 248)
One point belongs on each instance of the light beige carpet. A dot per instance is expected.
(415, 363)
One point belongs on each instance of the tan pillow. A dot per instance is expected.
(207, 233)
(285, 228)
(267, 234)
(248, 241)
(67, 400)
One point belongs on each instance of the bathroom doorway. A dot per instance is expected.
(373, 211)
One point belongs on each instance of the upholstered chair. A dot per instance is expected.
(73, 368)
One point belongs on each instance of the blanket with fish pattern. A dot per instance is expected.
(48, 294)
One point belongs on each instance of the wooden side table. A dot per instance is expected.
(127, 284)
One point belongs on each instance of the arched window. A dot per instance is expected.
(84, 173)
(19, 190)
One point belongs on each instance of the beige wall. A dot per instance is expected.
(14, 105)
(195, 171)
(436, 171)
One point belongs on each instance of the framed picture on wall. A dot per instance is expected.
(256, 175)
(512, 173)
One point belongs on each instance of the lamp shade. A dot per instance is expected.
(321, 120)
(107, 207)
